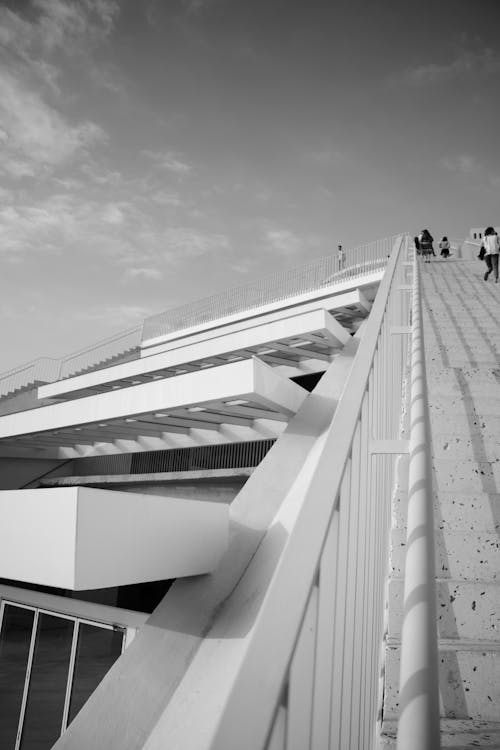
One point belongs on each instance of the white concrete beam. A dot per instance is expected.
(83, 538)
(248, 380)
(214, 350)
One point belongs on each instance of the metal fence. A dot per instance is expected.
(124, 346)
(322, 272)
(223, 456)
(120, 347)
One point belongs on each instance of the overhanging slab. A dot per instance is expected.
(247, 388)
(212, 351)
(84, 538)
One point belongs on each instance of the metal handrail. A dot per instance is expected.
(49, 369)
(418, 726)
(275, 287)
(319, 273)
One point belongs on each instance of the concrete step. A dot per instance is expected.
(469, 681)
(463, 422)
(483, 446)
(466, 610)
(456, 734)
(466, 475)
(478, 358)
(457, 405)
(455, 511)
(473, 325)
(460, 555)
(451, 390)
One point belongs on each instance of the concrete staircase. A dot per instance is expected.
(462, 340)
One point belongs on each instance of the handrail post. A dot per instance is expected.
(418, 726)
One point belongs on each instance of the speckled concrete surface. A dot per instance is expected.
(462, 342)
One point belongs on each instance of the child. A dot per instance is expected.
(444, 246)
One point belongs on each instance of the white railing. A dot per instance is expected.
(418, 726)
(310, 675)
(321, 272)
(270, 289)
(48, 370)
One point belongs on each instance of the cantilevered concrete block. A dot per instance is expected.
(84, 538)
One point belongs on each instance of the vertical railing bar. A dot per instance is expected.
(71, 670)
(371, 500)
(359, 591)
(350, 600)
(324, 645)
(368, 503)
(27, 678)
(340, 596)
(301, 680)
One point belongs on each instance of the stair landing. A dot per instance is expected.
(462, 344)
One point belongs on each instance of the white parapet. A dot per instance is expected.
(83, 538)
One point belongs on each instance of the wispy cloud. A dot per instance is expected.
(169, 160)
(182, 242)
(326, 157)
(115, 316)
(37, 136)
(464, 163)
(283, 241)
(483, 63)
(153, 274)
(164, 198)
(52, 26)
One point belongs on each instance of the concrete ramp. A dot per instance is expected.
(462, 340)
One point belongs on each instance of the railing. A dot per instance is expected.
(309, 673)
(201, 457)
(42, 370)
(281, 285)
(418, 726)
(320, 273)
(48, 370)
(99, 353)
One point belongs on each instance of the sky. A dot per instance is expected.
(153, 152)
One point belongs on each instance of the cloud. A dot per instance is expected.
(38, 135)
(484, 63)
(113, 214)
(165, 198)
(169, 160)
(70, 27)
(327, 157)
(122, 316)
(181, 242)
(464, 163)
(101, 175)
(283, 241)
(144, 273)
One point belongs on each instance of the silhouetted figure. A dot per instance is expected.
(444, 246)
(425, 240)
(341, 256)
(491, 245)
(417, 245)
